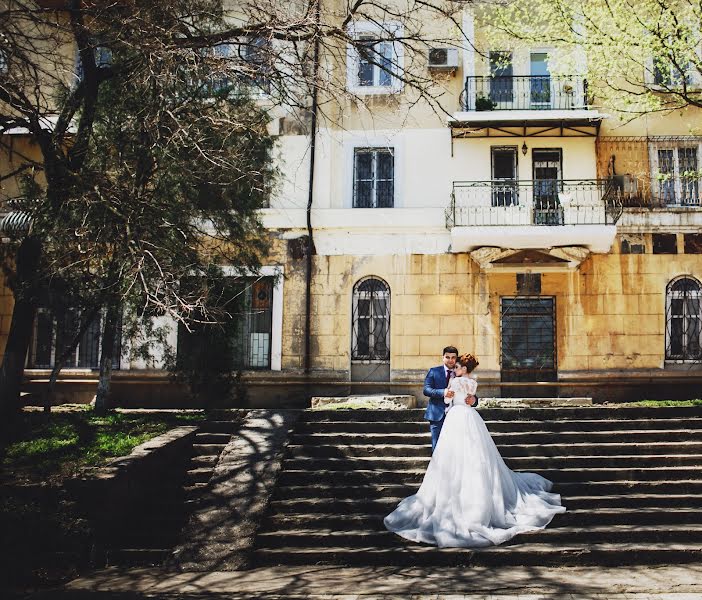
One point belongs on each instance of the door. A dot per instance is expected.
(501, 80)
(370, 335)
(548, 182)
(527, 339)
(540, 81)
(504, 176)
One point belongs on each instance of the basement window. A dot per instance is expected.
(665, 243)
(693, 243)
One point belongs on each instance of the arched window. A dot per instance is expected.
(371, 320)
(683, 320)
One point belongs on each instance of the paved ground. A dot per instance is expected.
(508, 583)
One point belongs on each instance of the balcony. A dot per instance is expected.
(533, 214)
(521, 105)
(524, 93)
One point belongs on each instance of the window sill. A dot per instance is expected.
(385, 90)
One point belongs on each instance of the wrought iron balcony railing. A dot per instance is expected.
(653, 192)
(548, 202)
(524, 92)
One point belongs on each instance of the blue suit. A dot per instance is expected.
(434, 386)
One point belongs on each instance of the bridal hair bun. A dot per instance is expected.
(468, 361)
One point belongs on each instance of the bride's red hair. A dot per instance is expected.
(468, 361)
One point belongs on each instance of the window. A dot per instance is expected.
(504, 175)
(667, 74)
(244, 341)
(374, 59)
(665, 243)
(501, 79)
(693, 243)
(103, 58)
(373, 178)
(633, 244)
(677, 175)
(540, 82)
(371, 320)
(256, 53)
(53, 334)
(683, 319)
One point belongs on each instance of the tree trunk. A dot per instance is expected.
(86, 320)
(25, 289)
(109, 334)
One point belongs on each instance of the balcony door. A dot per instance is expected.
(540, 81)
(504, 176)
(548, 181)
(501, 80)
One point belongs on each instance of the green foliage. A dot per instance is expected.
(36, 447)
(484, 103)
(638, 56)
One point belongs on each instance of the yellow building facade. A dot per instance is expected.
(526, 225)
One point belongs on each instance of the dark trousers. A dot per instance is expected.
(435, 428)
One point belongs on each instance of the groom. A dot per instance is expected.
(436, 389)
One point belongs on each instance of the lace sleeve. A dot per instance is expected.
(471, 386)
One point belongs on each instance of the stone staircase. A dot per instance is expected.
(156, 529)
(631, 479)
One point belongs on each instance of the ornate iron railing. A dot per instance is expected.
(524, 92)
(549, 202)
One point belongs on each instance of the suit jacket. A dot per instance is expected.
(434, 386)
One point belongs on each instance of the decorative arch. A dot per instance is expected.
(683, 319)
(370, 339)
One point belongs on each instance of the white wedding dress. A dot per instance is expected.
(469, 498)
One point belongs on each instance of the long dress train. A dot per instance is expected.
(469, 498)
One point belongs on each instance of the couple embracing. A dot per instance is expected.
(469, 498)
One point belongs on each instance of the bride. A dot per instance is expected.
(469, 498)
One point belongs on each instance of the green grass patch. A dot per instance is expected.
(41, 448)
(658, 403)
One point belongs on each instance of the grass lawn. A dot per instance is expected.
(658, 403)
(40, 449)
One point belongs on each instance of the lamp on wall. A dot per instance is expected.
(524, 149)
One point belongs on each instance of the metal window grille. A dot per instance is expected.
(528, 339)
(53, 334)
(683, 320)
(247, 344)
(678, 176)
(373, 178)
(371, 320)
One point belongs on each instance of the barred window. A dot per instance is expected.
(677, 175)
(54, 332)
(371, 320)
(683, 320)
(373, 178)
(242, 341)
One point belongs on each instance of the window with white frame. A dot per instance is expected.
(683, 320)
(374, 59)
(373, 178)
(669, 73)
(676, 168)
(54, 333)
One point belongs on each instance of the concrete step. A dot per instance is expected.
(524, 554)
(527, 437)
(200, 475)
(137, 557)
(414, 476)
(203, 460)
(380, 490)
(513, 414)
(208, 449)
(350, 505)
(195, 489)
(571, 518)
(506, 450)
(212, 438)
(528, 463)
(309, 537)
(219, 426)
(505, 426)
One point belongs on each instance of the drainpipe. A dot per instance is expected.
(310, 197)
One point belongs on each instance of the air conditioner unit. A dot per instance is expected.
(443, 59)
